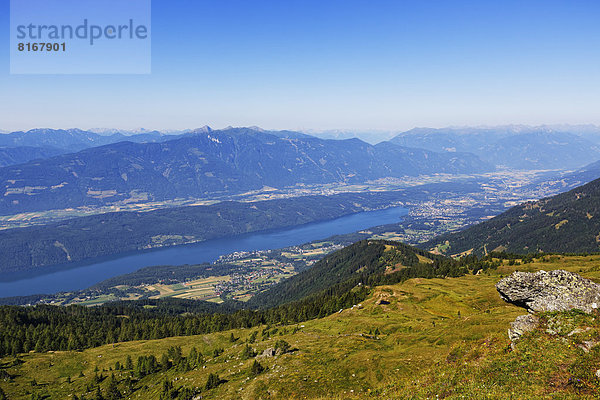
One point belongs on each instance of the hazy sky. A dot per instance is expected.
(286, 64)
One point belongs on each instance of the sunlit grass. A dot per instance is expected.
(427, 338)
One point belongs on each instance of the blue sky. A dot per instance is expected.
(363, 65)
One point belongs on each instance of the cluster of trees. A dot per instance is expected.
(173, 358)
(129, 374)
(43, 328)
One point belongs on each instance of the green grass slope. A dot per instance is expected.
(420, 338)
(339, 281)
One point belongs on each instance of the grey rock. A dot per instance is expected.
(270, 352)
(587, 345)
(522, 324)
(557, 290)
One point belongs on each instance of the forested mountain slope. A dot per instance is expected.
(568, 222)
(23, 154)
(113, 233)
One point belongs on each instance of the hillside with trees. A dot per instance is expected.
(568, 222)
(405, 338)
(114, 233)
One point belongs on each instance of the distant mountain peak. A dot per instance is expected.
(203, 129)
(256, 128)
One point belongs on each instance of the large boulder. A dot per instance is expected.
(557, 290)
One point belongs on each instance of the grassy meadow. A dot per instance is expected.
(423, 338)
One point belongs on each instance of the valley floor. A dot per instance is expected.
(505, 187)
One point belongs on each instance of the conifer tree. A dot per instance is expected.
(98, 395)
(165, 363)
(112, 391)
(129, 363)
(213, 381)
(247, 352)
(256, 369)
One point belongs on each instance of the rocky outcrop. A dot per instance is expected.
(541, 291)
(557, 290)
(270, 352)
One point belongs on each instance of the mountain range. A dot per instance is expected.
(516, 147)
(70, 140)
(512, 146)
(211, 163)
(21, 147)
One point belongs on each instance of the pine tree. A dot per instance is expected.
(168, 391)
(194, 358)
(283, 346)
(256, 369)
(175, 354)
(165, 364)
(98, 395)
(213, 381)
(128, 385)
(129, 363)
(112, 391)
(252, 337)
(247, 353)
